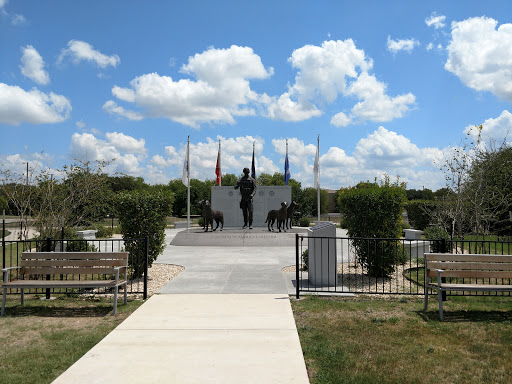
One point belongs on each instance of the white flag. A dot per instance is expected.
(316, 168)
(185, 178)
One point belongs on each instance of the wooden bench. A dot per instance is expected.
(488, 269)
(68, 270)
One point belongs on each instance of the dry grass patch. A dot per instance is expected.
(372, 340)
(43, 338)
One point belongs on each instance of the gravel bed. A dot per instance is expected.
(356, 280)
(158, 276)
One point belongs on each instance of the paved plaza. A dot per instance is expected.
(226, 318)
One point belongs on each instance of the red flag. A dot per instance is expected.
(218, 170)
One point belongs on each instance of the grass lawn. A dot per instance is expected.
(376, 340)
(42, 339)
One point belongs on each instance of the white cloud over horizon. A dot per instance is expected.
(435, 20)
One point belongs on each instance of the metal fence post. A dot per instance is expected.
(443, 279)
(146, 262)
(48, 247)
(3, 242)
(297, 266)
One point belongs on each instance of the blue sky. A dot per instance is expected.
(388, 86)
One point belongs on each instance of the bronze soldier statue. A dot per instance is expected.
(247, 187)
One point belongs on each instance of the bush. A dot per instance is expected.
(438, 234)
(80, 245)
(419, 213)
(200, 222)
(143, 213)
(304, 222)
(102, 232)
(305, 260)
(371, 210)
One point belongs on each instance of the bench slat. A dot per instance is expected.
(465, 257)
(68, 271)
(474, 287)
(472, 274)
(72, 263)
(74, 255)
(62, 283)
(462, 265)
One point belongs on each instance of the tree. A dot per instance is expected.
(310, 201)
(79, 196)
(143, 213)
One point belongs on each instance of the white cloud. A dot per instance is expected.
(494, 131)
(80, 50)
(126, 151)
(3, 3)
(33, 65)
(340, 120)
(126, 143)
(480, 55)
(377, 105)
(326, 72)
(18, 19)
(430, 46)
(114, 109)
(80, 124)
(221, 91)
(435, 20)
(35, 107)
(284, 108)
(401, 45)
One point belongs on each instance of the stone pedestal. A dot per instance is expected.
(227, 200)
(322, 255)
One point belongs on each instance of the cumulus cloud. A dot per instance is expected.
(494, 131)
(126, 143)
(341, 120)
(435, 20)
(33, 65)
(82, 51)
(35, 107)
(220, 92)
(114, 109)
(480, 55)
(324, 73)
(127, 151)
(401, 45)
(376, 105)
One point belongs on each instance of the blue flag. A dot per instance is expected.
(286, 170)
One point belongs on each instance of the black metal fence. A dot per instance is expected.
(137, 259)
(340, 265)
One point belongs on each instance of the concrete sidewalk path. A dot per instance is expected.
(206, 338)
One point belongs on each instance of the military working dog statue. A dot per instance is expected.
(279, 215)
(210, 215)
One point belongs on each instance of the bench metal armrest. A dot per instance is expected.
(439, 271)
(116, 270)
(6, 273)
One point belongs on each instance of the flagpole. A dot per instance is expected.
(318, 184)
(188, 179)
(220, 167)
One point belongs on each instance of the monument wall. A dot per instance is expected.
(227, 200)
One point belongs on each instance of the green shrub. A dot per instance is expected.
(371, 210)
(304, 222)
(419, 213)
(102, 231)
(200, 222)
(143, 213)
(305, 260)
(438, 234)
(80, 246)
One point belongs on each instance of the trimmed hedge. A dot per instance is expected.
(375, 211)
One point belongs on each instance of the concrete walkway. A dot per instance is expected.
(226, 319)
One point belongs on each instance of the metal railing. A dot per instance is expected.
(385, 266)
(137, 259)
